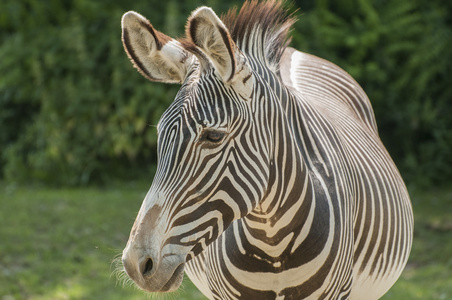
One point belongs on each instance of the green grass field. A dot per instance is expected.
(60, 244)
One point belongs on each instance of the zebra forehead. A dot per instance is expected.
(203, 99)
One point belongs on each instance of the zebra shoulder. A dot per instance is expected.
(321, 80)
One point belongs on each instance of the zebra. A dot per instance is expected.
(272, 181)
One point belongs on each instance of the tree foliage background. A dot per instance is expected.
(73, 110)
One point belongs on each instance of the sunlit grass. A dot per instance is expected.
(428, 274)
(61, 244)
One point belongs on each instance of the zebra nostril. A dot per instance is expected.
(148, 267)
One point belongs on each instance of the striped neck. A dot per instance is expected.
(290, 189)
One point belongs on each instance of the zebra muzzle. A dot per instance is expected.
(151, 272)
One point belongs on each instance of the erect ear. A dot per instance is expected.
(157, 56)
(209, 33)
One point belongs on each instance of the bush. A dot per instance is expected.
(74, 111)
(400, 52)
(70, 99)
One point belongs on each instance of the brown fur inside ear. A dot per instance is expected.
(137, 63)
(160, 38)
(228, 43)
(156, 56)
(214, 41)
(192, 26)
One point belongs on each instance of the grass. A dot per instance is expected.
(428, 274)
(60, 244)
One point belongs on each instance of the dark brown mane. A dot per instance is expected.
(269, 19)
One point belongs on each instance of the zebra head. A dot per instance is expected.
(213, 147)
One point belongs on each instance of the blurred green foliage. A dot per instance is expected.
(74, 111)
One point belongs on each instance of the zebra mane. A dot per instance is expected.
(261, 29)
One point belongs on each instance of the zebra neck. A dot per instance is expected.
(288, 206)
(290, 193)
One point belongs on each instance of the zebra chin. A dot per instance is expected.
(172, 284)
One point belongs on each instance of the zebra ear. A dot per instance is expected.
(208, 32)
(157, 56)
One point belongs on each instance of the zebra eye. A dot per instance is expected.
(213, 136)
